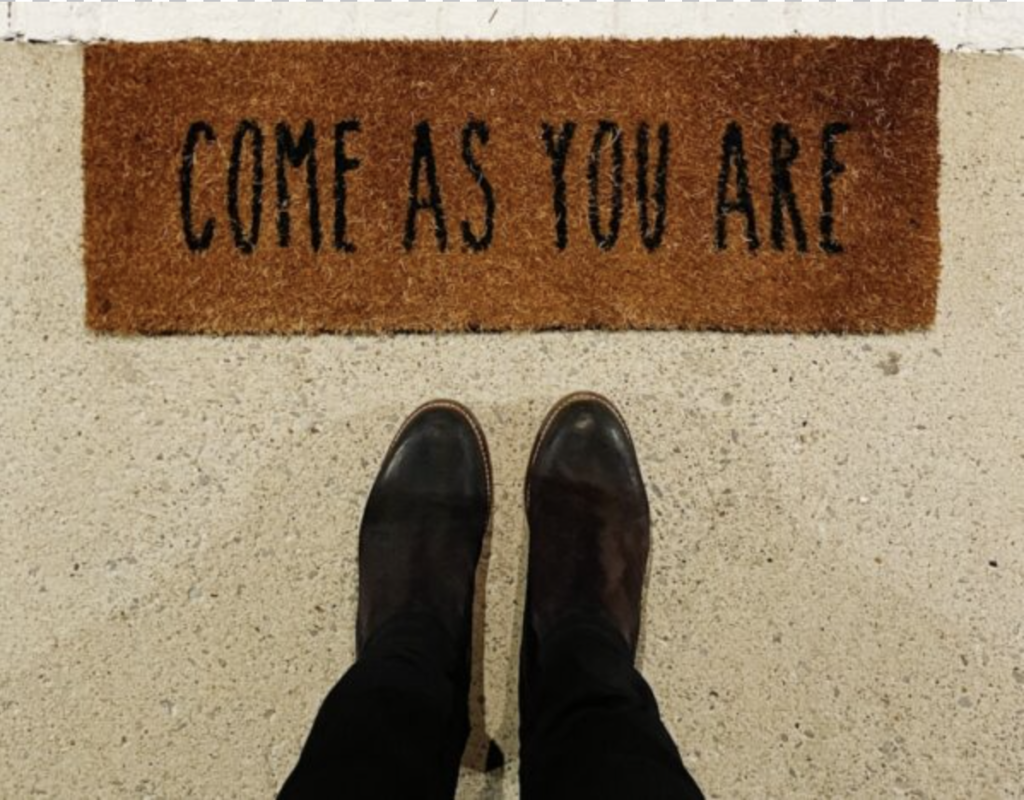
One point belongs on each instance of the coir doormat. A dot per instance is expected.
(761, 185)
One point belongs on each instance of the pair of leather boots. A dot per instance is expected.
(430, 507)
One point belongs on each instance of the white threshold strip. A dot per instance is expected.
(964, 26)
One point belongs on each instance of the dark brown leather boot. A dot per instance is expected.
(424, 523)
(589, 521)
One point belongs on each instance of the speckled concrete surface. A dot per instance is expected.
(834, 606)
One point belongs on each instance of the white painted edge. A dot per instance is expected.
(978, 27)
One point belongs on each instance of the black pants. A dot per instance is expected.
(395, 725)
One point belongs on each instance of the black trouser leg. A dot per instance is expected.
(395, 725)
(592, 728)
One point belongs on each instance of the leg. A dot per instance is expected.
(589, 723)
(596, 731)
(396, 724)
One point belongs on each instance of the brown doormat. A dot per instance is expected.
(760, 185)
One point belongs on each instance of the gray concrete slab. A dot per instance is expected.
(834, 604)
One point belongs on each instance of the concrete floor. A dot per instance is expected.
(834, 607)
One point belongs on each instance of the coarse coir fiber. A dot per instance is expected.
(759, 185)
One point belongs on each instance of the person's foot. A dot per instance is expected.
(424, 523)
(589, 521)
